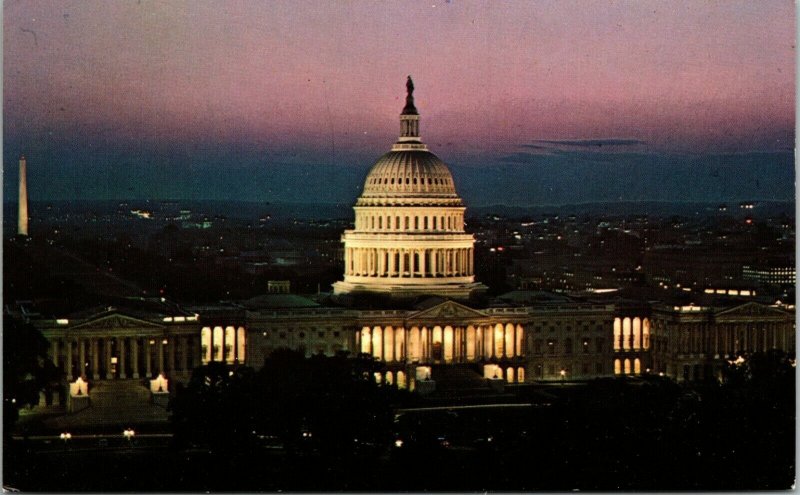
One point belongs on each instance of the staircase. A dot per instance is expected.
(458, 380)
(114, 403)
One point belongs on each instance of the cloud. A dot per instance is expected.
(585, 143)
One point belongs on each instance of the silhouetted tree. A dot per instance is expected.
(27, 368)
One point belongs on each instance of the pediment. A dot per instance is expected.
(116, 320)
(751, 309)
(450, 310)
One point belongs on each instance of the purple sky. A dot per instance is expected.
(299, 78)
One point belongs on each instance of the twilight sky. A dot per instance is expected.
(199, 99)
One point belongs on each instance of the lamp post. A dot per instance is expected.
(129, 433)
(66, 436)
(563, 374)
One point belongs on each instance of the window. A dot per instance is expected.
(585, 368)
(302, 335)
(320, 334)
(568, 346)
(335, 334)
(598, 368)
(283, 335)
(537, 346)
(598, 345)
(585, 346)
(551, 345)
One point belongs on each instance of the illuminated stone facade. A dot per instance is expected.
(409, 237)
(692, 342)
(109, 344)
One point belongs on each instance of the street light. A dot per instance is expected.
(129, 433)
(66, 436)
(563, 374)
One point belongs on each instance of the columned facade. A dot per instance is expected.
(409, 237)
(117, 347)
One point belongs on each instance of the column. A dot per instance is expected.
(148, 357)
(68, 356)
(457, 344)
(514, 350)
(54, 351)
(81, 357)
(171, 350)
(196, 347)
(391, 263)
(381, 262)
(371, 255)
(774, 331)
(135, 357)
(121, 350)
(107, 357)
(402, 262)
(422, 255)
(184, 352)
(95, 360)
(430, 343)
(160, 345)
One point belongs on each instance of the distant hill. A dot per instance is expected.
(518, 179)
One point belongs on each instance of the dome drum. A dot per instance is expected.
(409, 237)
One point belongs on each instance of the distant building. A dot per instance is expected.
(770, 275)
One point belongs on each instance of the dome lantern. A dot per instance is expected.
(409, 122)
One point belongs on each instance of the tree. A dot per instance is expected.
(27, 368)
(214, 409)
(335, 399)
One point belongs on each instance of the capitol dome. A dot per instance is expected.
(409, 237)
(405, 172)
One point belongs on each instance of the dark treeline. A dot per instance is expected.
(327, 403)
(323, 423)
(609, 434)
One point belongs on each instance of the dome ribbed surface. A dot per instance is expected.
(409, 173)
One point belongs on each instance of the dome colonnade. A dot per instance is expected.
(409, 236)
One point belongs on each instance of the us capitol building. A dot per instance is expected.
(410, 257)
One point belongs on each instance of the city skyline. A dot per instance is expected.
(191, 101)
